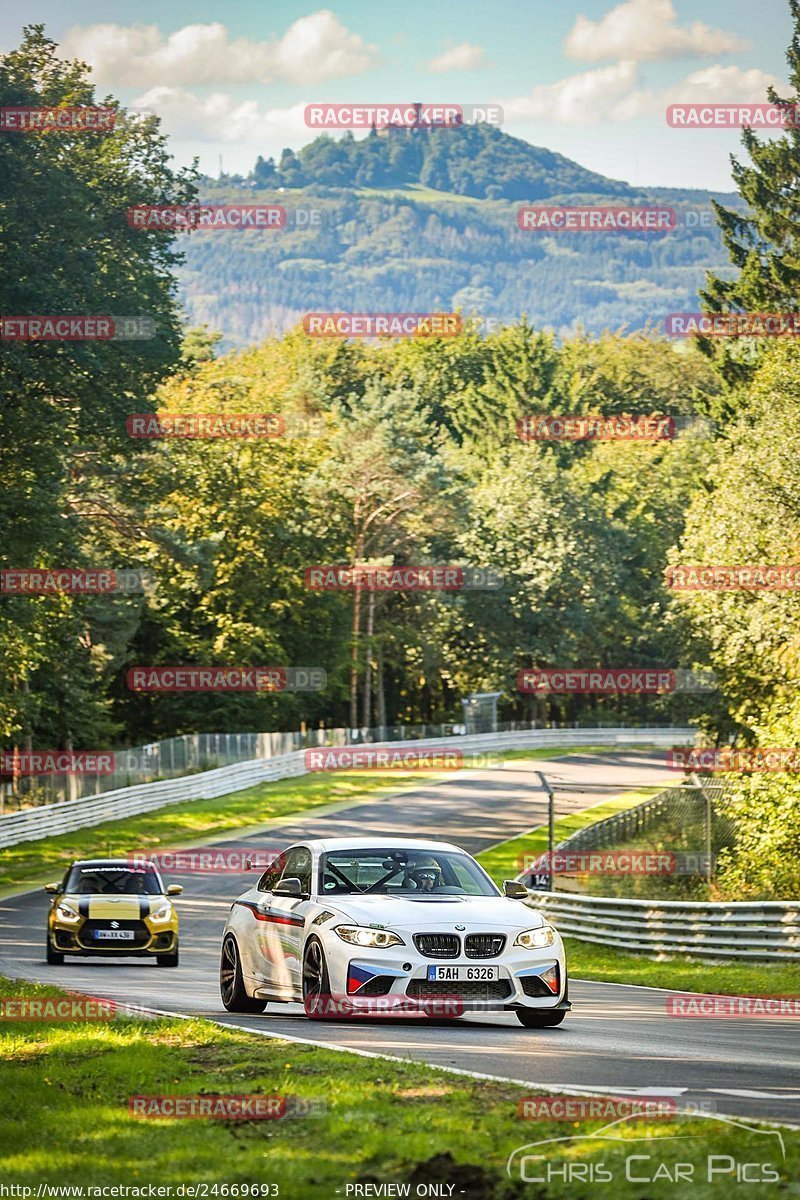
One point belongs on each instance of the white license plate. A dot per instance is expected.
(462, 974)
(113, 935)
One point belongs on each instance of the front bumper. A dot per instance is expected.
(398, 977)
(79, 940)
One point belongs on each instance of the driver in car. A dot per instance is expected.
(426, 876)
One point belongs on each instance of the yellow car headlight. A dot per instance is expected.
(358, 935)
(66, 913)
(536, 939)
(161, 914)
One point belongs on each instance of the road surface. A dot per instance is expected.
(616, 1040)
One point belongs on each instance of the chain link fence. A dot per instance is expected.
(672, 842)
(196, 752)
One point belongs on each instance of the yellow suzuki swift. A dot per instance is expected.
(110, 907)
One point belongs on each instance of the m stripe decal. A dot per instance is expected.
(273, 918)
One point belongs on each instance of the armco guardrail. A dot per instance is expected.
(739, 929)
(191, 753)
(35, 823)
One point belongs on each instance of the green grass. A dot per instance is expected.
(181, 825)
(589, 960)
(64, 1091)
(505, 861)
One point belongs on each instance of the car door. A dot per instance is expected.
(258, 946)
(287, 916)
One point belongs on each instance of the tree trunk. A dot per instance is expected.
(381, 693)
(354, 648)
(368, 660)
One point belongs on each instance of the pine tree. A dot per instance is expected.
(764, 242)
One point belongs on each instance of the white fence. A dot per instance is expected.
(738, 929)
(35, 823)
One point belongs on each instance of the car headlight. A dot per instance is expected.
(162, 913)
(358, 935)
(534, 939)
(65, 912)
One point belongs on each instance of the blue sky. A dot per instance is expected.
(589, 79)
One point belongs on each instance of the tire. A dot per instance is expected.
(168, 960)
(540, 1018)
(231, 984)
(316, 981)
(54, 959)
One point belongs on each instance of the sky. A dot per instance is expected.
(589, 79)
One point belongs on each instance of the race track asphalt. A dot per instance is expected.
(617, 1040)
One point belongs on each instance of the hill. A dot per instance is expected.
(416, 221)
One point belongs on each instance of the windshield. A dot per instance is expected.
(113, 881)
(402, 872)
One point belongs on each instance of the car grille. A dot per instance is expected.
(438, 945)
(484, 945)
(141, 935)
(473, 989)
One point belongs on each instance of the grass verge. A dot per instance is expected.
(720, 977)
(505, 861)
(65, 1121)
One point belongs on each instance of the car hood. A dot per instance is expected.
(395, 912)
(103, 908)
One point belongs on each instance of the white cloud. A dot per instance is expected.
(610, 94)
(312, 49)
(463, 57)
(581, 99)
(220, 118)
(710, 85)
(646, 29)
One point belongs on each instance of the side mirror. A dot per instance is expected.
(514, 890)
(174, 889)
(248, 864)
(52, 888)
(288, 887)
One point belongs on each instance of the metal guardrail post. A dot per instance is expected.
(550, 828)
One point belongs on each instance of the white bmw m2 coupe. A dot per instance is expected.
(370, 926)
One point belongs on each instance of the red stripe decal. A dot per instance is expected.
(274, 920)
